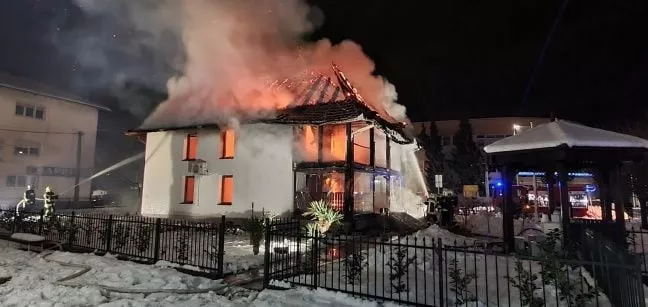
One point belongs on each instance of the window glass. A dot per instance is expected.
(40, 113)
(227, 190)
(191, 147)
(334, 143)
(29, 111)
(11, 181)
(21, 181)
(228, 143)
(189, 186)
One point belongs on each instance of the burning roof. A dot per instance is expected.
(316, 99)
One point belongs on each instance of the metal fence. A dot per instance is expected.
(188, 243)
(428, 271)
(618, 284)
(638, 244)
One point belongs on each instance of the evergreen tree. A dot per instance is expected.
(468, 159)
(434, 159)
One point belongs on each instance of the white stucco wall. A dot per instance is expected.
(163, 171)
(261, 168)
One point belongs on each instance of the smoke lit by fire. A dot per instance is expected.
(236, 48)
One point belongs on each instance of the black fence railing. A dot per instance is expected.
(638, 245)
(182, 242)
(430, 271)
(616, 283)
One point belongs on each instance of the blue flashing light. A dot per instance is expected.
(590, 188)
(499, 184)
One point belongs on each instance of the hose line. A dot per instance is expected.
(86, 268)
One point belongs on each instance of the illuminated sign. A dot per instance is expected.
(542, 174)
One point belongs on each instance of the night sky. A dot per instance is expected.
(447, 58)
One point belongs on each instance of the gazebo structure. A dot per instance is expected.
(560, 147)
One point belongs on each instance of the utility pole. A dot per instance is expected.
(77, 176)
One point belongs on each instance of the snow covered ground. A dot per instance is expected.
(239, 256)
(490, 224)
(33, 277)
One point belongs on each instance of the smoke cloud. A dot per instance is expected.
(231, 50)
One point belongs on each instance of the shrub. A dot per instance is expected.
(459, 282)
(354, 265)
(143, 239)
(399, 268)
(525, 282)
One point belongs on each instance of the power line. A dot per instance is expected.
(541, 55)
(56, 132)
(33, 131)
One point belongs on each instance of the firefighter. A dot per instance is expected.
(29, 198)
(49, 199)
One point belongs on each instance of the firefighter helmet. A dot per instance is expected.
(48, 189)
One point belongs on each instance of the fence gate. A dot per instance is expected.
(283, 250)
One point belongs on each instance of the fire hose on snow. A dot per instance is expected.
(86, 268)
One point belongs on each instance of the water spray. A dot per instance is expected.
(107, 170)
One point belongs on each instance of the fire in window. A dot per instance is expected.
(229, 143)
(189, 188)
(227, 190)
(191, 147)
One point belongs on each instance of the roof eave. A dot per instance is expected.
(88, 104)
(138, 131)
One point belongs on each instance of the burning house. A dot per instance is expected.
(327, 143)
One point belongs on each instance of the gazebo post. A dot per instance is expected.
(565, 205)
(551, 197)
(644, 214)
(617, 196)
(507, 208)
(605, 188)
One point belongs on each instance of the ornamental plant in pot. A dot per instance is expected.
(323, 215)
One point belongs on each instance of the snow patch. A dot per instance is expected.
(27, 237)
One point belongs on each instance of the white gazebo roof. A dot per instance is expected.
(565, 133)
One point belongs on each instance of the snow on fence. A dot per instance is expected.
(430, 271)
(193, 245)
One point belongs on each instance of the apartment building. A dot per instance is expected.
(47, 138)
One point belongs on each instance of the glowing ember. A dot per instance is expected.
(334, 253)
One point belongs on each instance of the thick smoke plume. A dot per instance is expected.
(233, 50)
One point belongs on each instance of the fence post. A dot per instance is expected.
(221, 246)
(440, 267)
(316, 254)
(71, 235)
(109, 233)
(40, 222)
(266, 256)
(156, 240)
(15, 222)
